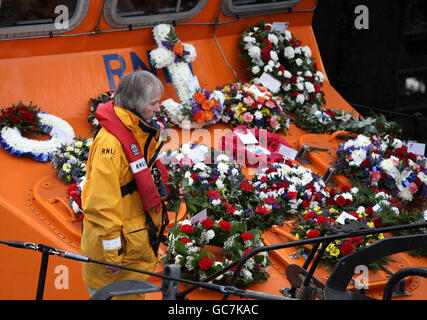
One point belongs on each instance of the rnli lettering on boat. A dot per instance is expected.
(137, 64)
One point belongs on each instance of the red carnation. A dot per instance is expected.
(207, 223)
(292, 195)
(377, 222)
(245, 186)
(187, 229)
(262, 210)
(340, 201)
(185, 240)
(346, 248)
(356, 240)
(205, 263)
(224, 225)
(246, 236)
(330, 113)
(313, 233)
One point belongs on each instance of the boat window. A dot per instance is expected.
(123, 13)
(256, 7)
(37, 17)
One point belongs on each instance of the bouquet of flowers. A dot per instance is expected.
(284, 58)
(385, 163)
(204, 108)
(186, 248)
(293, 187)
(69, 160)
(255, 107)
(265, 153)
(213, 182)
(74, 193)
(312, 223)
(323, 120)
(93, 106)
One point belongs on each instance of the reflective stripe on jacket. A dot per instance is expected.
(114, 228)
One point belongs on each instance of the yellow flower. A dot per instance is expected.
(66, 167)
(380, 236)
(297, 236)
(370, 224)
(333, 250)
(70, 148)
(79, 144)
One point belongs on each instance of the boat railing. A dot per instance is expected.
(335, 288)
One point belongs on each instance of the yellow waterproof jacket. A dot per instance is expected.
(114, 225)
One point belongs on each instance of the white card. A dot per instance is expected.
(425, 215)
(416, 148)
(344, 215)
(256, 91)
(376, 208)
(202, 215)
(193, 84)
(247, 138)
(257, 149)
(288, 153)
(270, 82)
(279, 26)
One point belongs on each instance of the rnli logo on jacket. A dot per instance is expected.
(138, 165)
(108, 151)
(134, 149)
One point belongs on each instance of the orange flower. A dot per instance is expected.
(178, 48)
(206, 105)
(200, 116)
(200, 97)
(208, 115)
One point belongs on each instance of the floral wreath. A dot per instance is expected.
(265, 153)
(255, 107)
(385, 163)
(286, 189)
(186, 248)
(282, 56)
(21, 119)
(311, 223)
(69, 160)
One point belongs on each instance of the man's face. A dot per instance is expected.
(152, 108)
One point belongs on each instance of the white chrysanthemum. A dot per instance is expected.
(274, 56)
(254, 52)
(272, 38)
(193, 54)
(289, 52)
(162, 57)
(306, 51)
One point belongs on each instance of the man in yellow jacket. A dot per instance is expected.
(114, 226)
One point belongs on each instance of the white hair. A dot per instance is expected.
(136, 89)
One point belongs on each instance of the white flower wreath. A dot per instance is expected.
(16, 144)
